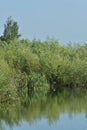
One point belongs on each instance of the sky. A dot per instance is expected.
(65, 20)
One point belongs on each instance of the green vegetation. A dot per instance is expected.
(10, 30)
(38, 68)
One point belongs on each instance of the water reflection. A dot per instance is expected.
(64, 111)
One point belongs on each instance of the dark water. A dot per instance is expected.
(67, 111)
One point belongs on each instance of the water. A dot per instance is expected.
(63, 112)
(77, 122)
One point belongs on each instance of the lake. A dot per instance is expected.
(66, 111)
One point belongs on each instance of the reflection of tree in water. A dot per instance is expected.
(50, 108)
(1, 126)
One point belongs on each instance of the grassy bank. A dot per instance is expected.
(35, 67)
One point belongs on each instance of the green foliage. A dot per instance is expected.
(7, 88)
(35, 67)
(37, 84)
(10, 30)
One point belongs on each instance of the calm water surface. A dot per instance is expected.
(63, 112)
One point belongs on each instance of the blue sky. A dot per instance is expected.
(65, 20)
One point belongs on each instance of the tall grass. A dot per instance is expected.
(37, 67)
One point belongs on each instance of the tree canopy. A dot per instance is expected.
(11, 30)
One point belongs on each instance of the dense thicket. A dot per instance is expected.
(35, 67)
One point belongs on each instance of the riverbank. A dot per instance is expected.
(38, 68)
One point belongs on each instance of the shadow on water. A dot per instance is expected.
(50, 108)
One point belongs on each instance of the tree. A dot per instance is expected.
(10, 30)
